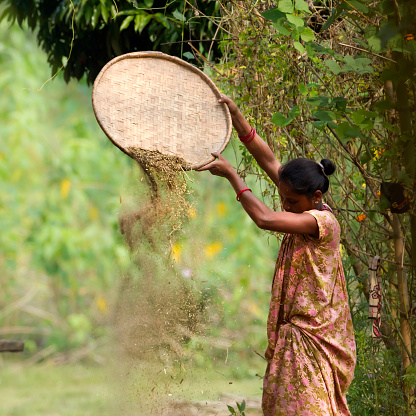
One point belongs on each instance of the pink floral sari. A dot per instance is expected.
(311, 346)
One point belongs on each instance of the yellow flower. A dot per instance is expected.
(192, 212)
(212, 249)
(65, 188)
(176, 252)
(254, 310)
(221, 209)
(92, 213)
(101, 304)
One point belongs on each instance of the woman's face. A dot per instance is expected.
(293, 202)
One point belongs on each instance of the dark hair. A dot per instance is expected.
(305, 176)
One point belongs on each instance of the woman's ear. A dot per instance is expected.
(317, 196)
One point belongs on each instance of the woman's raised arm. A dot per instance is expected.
(257, 147)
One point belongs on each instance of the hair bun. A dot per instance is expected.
(329, 167)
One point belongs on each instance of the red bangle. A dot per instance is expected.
(250, 138)
(238, 195)
(248, 135)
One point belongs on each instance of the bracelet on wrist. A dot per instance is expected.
(238, 195)
(248, 135)
(250, 138)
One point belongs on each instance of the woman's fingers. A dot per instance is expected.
(224, 99)
(207, 167)
(210, 165)
(230, 103)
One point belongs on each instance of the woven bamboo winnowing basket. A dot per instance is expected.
(153, 101)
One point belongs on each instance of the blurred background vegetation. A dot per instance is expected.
(172, 318)
(63, 259)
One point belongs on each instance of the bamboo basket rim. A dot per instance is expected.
(183, 64)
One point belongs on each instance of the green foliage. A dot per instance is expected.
(376, 388)
(240, 409)
(69, 32)
(62, 255)
(61, 252)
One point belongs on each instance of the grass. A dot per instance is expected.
(54, 391)
(125, 389)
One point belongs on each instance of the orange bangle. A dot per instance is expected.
(238, 195)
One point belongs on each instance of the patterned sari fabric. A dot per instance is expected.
(311, 346)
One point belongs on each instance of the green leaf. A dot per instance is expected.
(404, 178)
(387, 126)
(365, 157)
(301, 5)
(189, 55)
(295, 111)
(332, 124)
(340, 103)
(88, 13)
(319, 124)
(324, 115)
(335, 13)
(231, 409)
(299, 47)
(302, 89)
(374, 43)
(295, 33)
(358, 64)
(96, 16)
(297, 21)
(307, 34)
(318, 101)
(105, 13)
(348, 131)
(275, 15)
(333, 66)
(322, 50)
(179, 16)
(161, 18)
(281, 29)
(310, 50)
(140, 21)
(280, 120)
(362, 118)
(126, 22)
(243, 405)
(286, 6)
(356, 5)
(148, 3)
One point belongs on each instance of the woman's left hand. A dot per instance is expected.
(219, 167)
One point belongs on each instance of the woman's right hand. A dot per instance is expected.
(232, 106)
(239, 122)
(219, 167)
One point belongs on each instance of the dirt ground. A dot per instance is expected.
(210, 408)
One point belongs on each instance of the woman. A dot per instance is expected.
(311, 347)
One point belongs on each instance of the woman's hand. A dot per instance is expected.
(219, 167)
(232, 106)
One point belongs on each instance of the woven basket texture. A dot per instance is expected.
(156, 102)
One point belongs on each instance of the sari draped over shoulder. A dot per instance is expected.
(311, 349)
